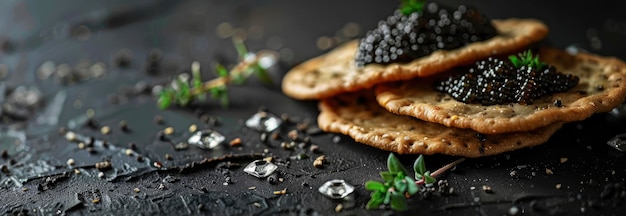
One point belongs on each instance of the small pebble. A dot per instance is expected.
(81, 145)
(514, 210)
(136, 190)
(123, 126)
(158, 119)
(128, 152)
(100, 175)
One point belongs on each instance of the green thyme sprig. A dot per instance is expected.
(182, 91)
(398, 185)
(410, 6)
(526, 58)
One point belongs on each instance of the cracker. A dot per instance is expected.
(602, 87)
(336, 72)
(359, 116)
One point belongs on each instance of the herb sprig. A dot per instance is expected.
(182, 91)
(398, 185)
(526, 58)
(410, 6)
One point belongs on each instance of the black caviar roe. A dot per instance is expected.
(494, 81)
(403, 38)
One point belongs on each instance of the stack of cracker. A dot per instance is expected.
(396, 108)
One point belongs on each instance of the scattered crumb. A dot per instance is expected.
(563, 160)
(105, 130)
(128, 152)
(487, 189)
(258, 205)
(70, 162)
(136, 190)
(319, 161)
(281, 192)
(549, 171)
(193, 128)
(339, 207)
(235, 142)
(168, 131)
(95, 200)
(252, 188)
(557, 186)
(168, 156)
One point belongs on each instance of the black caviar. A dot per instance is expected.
(495, 81)
(402, 38)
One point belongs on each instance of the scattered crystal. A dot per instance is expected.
(618, 142)
(264, 122)
(336, 189)
(206, 139)
(260, 168)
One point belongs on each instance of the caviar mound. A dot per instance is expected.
(336, 72)
(601, 87)
(402, 38)
(494, 81)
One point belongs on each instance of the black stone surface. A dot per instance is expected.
(79, 34)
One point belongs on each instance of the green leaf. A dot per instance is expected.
(387, 176)
(375, 186)
(242, 50)
(400, 185)
(387, 198)
(165, 98)
(394, 165)
(398, 202)
(419, 165)
(221, 70)
(526, 58)
(261, 73)
(376, 200)
(429, 179)
(183, 95)
(411, 186)
(409, 6)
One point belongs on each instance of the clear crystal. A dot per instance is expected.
(618, 142)
(260, 168)
(206, 139)
(336, 189)
(264, 122)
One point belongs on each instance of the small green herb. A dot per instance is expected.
(398, 185)
(410, 6)
(526, 59)
(182, 92)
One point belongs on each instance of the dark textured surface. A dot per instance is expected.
(38, 180)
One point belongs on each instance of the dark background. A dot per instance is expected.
(87, 32)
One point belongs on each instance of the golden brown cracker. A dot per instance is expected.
(602, 87)
(359, 116)
(336, 72)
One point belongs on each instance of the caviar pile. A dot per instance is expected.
(495, 81)
(402, 38)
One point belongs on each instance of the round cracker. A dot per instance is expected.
(336, 72)
(359, 116)
(602, 87)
